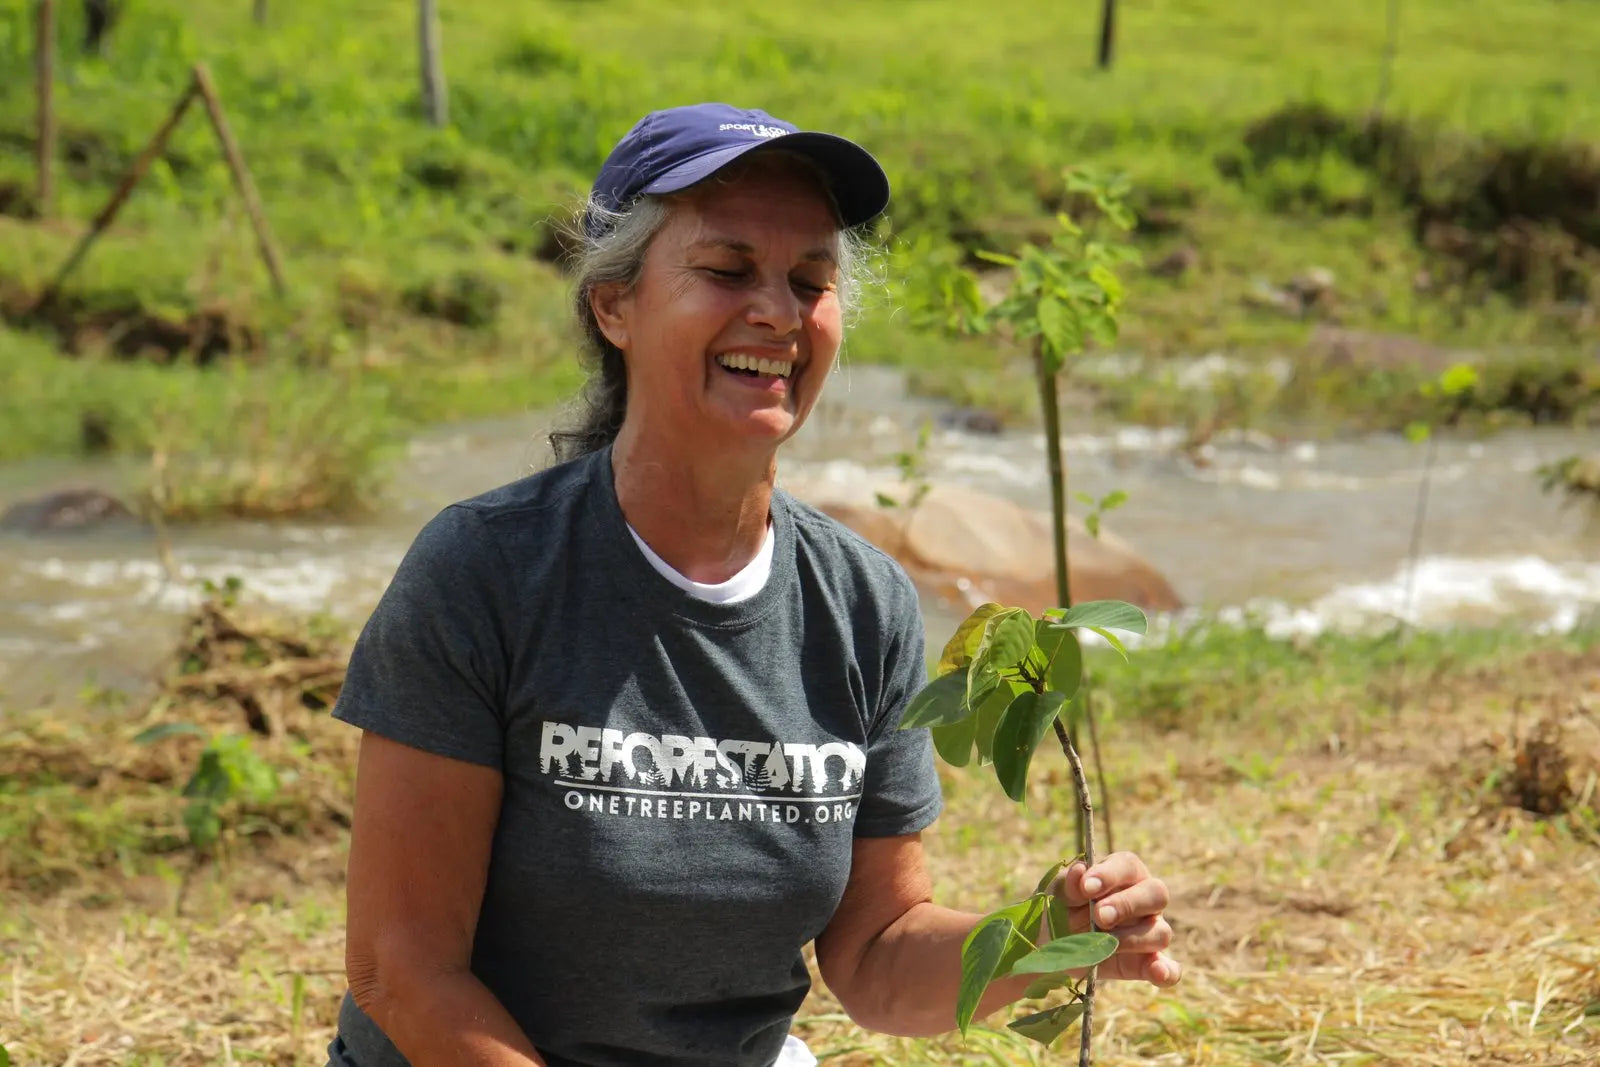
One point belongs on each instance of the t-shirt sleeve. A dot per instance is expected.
(900, 790)
(429, 669)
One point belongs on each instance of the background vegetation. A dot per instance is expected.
(1282, 214)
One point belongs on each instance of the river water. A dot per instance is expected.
(1303, 535)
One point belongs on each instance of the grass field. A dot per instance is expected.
(420, 260)
(1405, 874)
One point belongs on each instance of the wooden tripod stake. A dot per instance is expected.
(199, 86)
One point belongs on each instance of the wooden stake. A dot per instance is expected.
(157, 145)
(435, 94)
(1108, 32)
(241, 175)
(45, 58)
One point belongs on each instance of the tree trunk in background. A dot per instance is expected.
(1391, 48)
(97, 18)
(1108, 32)
(435, 99)
(261, 12)
(45, 68)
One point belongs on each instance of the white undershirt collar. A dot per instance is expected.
(742, 586)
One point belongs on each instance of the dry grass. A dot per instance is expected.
(1349, 888)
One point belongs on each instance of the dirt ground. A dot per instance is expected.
(1354, 886)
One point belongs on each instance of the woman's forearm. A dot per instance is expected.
(446, 1018)
(910, 976)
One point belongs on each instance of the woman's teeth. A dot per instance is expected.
(756, 365)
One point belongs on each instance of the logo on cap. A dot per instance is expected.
(759, 129)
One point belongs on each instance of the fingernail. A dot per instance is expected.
(1108, 916)
(1166, 971)
(1092, 885)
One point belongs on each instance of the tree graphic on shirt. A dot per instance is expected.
(755, 775)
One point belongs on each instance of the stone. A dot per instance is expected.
(968, 546)
(62, 511)
(1335, 346)
(1177, 263)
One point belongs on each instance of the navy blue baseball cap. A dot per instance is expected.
(668, 151)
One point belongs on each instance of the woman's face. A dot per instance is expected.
(734, 323)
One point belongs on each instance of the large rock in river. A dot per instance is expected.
(971, 547)
(63, 510)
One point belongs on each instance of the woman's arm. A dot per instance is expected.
(419, 856)
(893, 957)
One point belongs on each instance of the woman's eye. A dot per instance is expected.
(730, 275)
(811, 286)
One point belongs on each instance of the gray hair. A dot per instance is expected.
(616, 257)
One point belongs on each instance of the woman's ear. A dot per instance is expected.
(609, 302)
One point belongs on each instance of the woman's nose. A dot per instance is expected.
(774, 305)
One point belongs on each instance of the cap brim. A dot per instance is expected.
(858, 184)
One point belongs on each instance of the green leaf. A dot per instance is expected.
(1461, 378)
(1065, 670)
(1043, 987)
(210, 779)
(1091, 522)
(167, 729)
(1026, 917)
(1112, 639)
(982, 681)
(1021, 728)
(884, 500)
(1107, 281)
(989, 714)
(1060, 918)
(1007, 639)
(941, 701)
(964, 642)
(5, 1057)
(1418, 432)
(980, 959)
(953, 741)
(1049, 876)
(1055, 323)
(996, 257)
(1075, 952)
(203, 823)
(1113, 500)
(969, 298)
(1045, 1026)
(1115, 614)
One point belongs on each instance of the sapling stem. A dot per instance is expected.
(1050, 405)
(1080, 783)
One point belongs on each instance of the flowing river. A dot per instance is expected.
(1303, 535)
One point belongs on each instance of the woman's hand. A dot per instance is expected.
(1128, 902)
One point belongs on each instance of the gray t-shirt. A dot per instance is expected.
(682, 779)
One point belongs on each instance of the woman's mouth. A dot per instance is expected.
(755, 366)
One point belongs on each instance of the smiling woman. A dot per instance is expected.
(631, 724)
(612, 248)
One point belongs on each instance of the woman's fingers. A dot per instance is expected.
(1151, 934)
(1117, 871)
(1157, 968)
(1148, 897)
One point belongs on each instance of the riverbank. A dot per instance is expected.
(1370, 862)
(1340, 257)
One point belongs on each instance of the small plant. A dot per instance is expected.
(1003, 682)
(1098, 508)
(1006, 679)
(912, 463)
(229, 769)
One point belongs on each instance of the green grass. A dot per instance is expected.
(974, 109)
